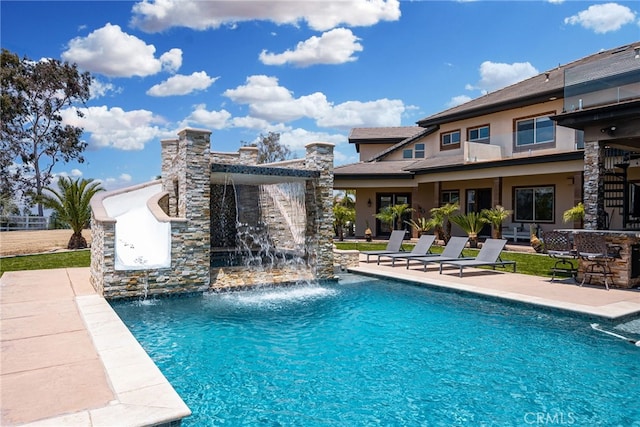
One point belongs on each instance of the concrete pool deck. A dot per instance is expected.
(67, 359)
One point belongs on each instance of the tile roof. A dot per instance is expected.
(384, 133)
(391, 167)
(530, 91)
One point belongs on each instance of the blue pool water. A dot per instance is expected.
(372, 352)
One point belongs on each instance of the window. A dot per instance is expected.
(449, 196)
(417, 152)
(534, 204)
(479, 134)
(450, 140)
(535, 130)
(579, 139)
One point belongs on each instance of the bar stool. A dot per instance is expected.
(558, 246)
(593, 247)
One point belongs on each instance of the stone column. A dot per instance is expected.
(593, 186)
(168, 154)
(319, 206)
(248, 155)
(194, 180)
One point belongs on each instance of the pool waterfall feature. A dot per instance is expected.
(232, 223)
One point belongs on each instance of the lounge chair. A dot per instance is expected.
(422, 248)
(394, 244)
(452, 251)
(489, 255)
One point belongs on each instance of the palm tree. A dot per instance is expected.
(441, 220)
(575, 214)
(341, 216)
(495, 216)
(421, 225)
(471, 224)
(393, 214)
(71, 203)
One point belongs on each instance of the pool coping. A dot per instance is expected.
(615, 311)
(142, 394)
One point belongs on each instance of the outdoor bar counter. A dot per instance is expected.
(626, 267)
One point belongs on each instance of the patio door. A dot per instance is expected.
(477, 200)
(389, 199)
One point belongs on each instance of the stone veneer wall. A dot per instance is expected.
(185, 163)
(319, 204)
(593, 186)
(185, 202)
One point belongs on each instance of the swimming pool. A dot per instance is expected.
(367, 351)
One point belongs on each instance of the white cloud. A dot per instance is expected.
(114, 183)
(172, 60)
(333, 47)
(114, 53)
(209, 119)
(602, 18)
(296, 139)
(156, 16)
(182, 85)
(116, 128)
(556, 1)
(457, 100)
(496, 75)
(99, 89)
(382, 112)
(269, 101)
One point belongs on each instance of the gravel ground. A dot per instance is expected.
(36, 241)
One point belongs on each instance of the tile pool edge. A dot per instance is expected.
(609, 312)
(143, 396)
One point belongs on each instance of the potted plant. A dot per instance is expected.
(471, 224)
(421, 225)
(441, 220)
(495, 216)
(575, 215)
(367, 232)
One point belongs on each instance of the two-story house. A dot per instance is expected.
(522, 147)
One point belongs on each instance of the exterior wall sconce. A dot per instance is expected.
(610, 130)
(369, 202)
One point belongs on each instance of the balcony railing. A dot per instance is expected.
(604, 82)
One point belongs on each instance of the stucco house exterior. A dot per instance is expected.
(538, 147)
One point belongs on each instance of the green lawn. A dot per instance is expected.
(80, 258)
(534, 264)
(526, 263)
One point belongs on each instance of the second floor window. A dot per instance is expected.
(450, 140)
(534, 130)
(479, 134)
(417, 152)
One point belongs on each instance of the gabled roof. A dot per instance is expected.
(385, 134)
(387, 169)
(543, 87)
(404, 142)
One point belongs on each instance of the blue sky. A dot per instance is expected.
(310, 70)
